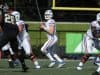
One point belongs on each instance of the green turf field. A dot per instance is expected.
(68, 69)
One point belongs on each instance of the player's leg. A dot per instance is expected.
(97, 72)
(6, 52)
(44, 49)
(11, 53)
(14, 46)
(28, 51)
(54, 53)
(97, 63)
(0, 50)
(87, 46)
(3, 39)
(97, 60)
(83, 61)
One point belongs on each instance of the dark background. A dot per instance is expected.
(29, 12)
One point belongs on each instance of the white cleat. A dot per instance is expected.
(52, 64)
(79, 68)
(61, 64)
(37, 67)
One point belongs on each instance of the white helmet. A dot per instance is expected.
(48, 14)
(17, 15)
(98, 17)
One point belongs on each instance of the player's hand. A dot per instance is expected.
(42, 25)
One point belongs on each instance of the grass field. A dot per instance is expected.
(68, 69)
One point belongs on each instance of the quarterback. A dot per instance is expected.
(50, 28)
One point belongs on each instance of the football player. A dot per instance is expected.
(7, 51)
(24, 42)
(97, 35)
(88, 41)
(50, 28)
(10, 32)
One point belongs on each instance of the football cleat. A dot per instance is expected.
(61, 64)
(11, 64)
(52, 64)
(79, 68)
(24, 69)
(37, 67)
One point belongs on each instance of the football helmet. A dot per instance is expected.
(4, 7)
(17, 15)
(98, 17)
(48, 14)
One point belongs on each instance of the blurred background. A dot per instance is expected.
(72, 17)
(29, 11)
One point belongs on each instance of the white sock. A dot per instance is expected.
(58, 58)
(9, 60)
(97, 59)
(98, 69)
(36, 63)
(81, 64)
(50, 57)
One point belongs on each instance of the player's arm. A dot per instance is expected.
(20, 27)
(50, 30)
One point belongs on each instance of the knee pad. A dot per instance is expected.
(43, 50)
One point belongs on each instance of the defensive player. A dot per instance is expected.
(8, 52)
(23, 38)
(10, 32)
(50, 28)
(97, 35)
(88, 41)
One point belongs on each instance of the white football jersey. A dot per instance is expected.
(52, 38)
(94, 24)
(24, 33)
(48, 23)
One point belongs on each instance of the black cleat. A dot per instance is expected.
(11, 64)
(95, 73)
(24, 69)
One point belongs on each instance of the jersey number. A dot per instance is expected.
(9, 19)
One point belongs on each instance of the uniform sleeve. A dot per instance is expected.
(20, 23)
(93, 24)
